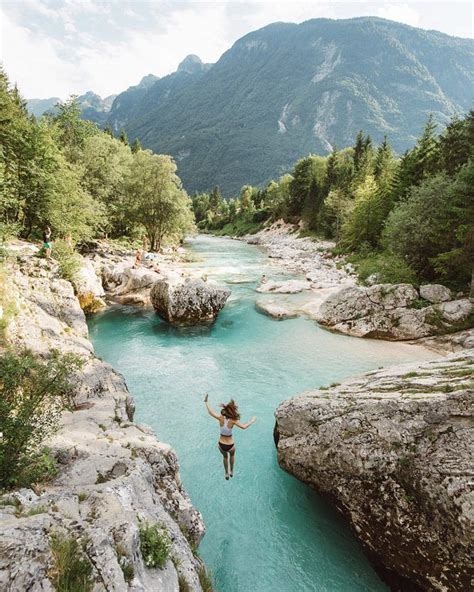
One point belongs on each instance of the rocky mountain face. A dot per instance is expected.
(114, 475)
(93, 107)
(393, 450)
(286, 90)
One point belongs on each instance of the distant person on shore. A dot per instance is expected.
(264, 279)
(138, 258)
(47, 245)
(228, 418)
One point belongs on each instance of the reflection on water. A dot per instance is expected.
(265, 530)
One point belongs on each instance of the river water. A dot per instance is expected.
(266, 531)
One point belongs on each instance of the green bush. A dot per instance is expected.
(72, 569)
(155, 545)
(68, 260)
(32, 395)
(389, 268)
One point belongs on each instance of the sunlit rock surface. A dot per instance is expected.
(394, 450)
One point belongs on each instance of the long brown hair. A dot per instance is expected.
(230, 410)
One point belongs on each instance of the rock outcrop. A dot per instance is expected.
(275, 310)
(188, 301)
(88, 286)
(129, 285)
(394, 450)
(393, 312)
(435, 293)
(286, 287)
(114, 475)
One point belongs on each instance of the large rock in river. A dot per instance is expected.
(394, 450)
(188, 302)
(391, 311)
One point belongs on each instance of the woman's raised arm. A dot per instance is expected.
(210, 410)
(244, 426)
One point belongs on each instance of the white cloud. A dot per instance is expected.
(403, 13)
(71, 46)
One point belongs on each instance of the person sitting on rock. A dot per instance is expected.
(228, 418)
(264, 279)
(138, 258)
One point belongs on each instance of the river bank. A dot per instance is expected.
(113, 474)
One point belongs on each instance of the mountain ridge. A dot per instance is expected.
(286, 90)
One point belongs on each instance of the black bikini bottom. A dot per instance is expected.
(225, 447)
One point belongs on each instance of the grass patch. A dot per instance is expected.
(183, 584)
(155, 545)
(7, 302)
(72, 569)
(205, 579)
(33, 511)
(238, 228)
(125, 563)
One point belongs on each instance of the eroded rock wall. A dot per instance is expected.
(113, 473)
(394, 450)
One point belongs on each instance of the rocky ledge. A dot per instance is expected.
(113, 473)
(395, 312)
(394, 450)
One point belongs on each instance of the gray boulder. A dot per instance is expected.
(287, 287)
(393, 449)
(188, 302)
(387, 311)
(435, 293)
(274, 310)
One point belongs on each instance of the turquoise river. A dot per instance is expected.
(266, 531)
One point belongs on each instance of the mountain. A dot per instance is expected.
(286, 90)
(93, 107)
(38, 107)
(130, 105)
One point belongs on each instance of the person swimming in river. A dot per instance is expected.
(228, 418)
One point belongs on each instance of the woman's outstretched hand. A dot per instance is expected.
(206, 398)
(253, 420)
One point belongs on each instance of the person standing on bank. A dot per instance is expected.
(228, 418)
(47, 242)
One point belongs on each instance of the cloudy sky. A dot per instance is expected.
(58, 47)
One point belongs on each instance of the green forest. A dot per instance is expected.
(408, 219)
(64, 172)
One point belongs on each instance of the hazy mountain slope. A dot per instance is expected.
(286, 90)
(93, 107)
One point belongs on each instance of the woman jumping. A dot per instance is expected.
(228, 418)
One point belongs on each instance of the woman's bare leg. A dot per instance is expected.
(232, 459)
(226, 461)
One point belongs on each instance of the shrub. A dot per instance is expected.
(72, 569)
(67, 258)
(32, 396)
(7, 301)
(389, 268)
(155, 545)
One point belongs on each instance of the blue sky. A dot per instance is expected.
(59, 47)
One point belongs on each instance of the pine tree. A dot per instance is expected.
(123, 137)
(426, 153)
(136, 146)
(455, 146)
(108, 130)
(215, 199)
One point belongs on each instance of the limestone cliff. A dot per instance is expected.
(394, 450)
(113, 473)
